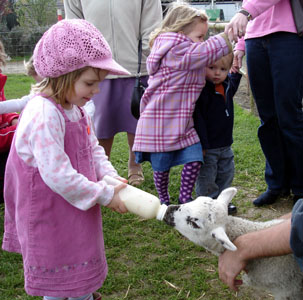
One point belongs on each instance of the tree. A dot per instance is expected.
(33, 13)
(7, 14)
(4, 8)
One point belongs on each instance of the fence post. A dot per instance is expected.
(59, 14)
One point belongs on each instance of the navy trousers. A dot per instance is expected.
(275, 69)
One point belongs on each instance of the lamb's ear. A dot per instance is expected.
(220, 235)
(227, 195)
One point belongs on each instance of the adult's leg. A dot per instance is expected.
(286, 60)
(261, 81)
(135, 174)
(107, 145)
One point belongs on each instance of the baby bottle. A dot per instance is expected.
(139, 202)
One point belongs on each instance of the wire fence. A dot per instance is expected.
(21, 42)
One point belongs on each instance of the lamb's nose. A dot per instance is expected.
(169, 218)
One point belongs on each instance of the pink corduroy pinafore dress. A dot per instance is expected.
(62, 247)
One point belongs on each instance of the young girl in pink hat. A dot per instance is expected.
(53, 182)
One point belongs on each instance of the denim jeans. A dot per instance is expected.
(275, 69)
(217, 172)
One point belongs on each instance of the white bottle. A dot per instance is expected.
(139, 202)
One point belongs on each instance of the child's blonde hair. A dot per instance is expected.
(179, 17)
(29, 67)
(61, 86)
(3, 55)
(227, 60)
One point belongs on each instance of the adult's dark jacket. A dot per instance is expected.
(214, 115)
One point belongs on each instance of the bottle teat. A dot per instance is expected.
(161, 212)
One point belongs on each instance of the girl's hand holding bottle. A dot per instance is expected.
(117, 204)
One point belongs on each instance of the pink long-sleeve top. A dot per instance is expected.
(176, 67)
(40, 144)
(268, 17)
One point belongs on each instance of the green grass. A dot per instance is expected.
(17, 86)
(147, 259)
(249, 158)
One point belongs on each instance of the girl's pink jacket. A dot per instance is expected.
(176, 66)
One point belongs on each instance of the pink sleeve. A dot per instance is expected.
(240, 45)
(190, 56)
(42, 129)
(257, 7)
(102, 165)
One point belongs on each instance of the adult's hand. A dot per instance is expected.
(230, 265)
(237, 26)
(238, 57)
(271, 241)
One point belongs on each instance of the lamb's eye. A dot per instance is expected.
(192, 222)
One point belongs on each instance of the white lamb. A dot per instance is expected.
(205, 222)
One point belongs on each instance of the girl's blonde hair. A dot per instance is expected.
(61, 86)
(29, 68)
(3, 55)
(179, 17)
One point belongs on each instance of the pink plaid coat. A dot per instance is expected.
(176, 66)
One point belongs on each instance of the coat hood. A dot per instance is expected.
(177, 43)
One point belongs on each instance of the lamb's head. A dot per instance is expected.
(203, 220)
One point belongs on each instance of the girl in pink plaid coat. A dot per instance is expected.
(165, 134)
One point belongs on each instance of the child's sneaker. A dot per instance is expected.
(232, 209)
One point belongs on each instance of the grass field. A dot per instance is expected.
(147, 259)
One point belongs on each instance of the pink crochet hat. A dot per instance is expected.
(70, 45)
